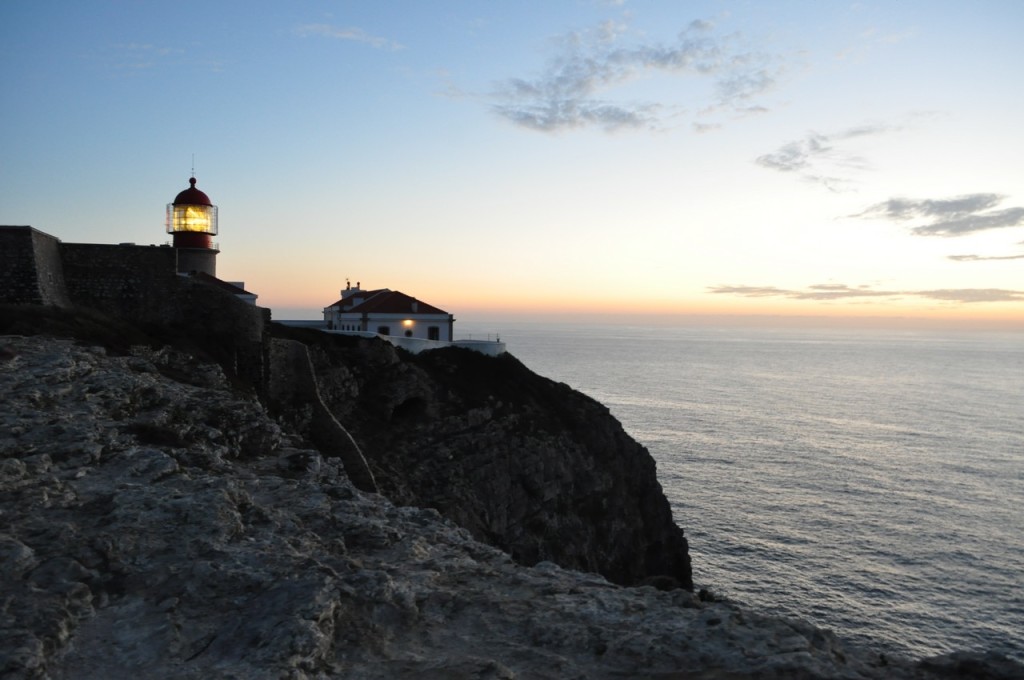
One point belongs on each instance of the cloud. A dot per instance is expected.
(974, 295)
(821, 291)
(352, 34)
(831, 291)
(1011, 217)
(820, 158)
(701, 128)
(143, 55)
(134, 58)
(870, 39)
(750, 291)
(573, 114)
(982, 258)
(905, 209)
(575, 87)
(948, 217)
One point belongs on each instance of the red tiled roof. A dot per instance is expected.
(388, 302)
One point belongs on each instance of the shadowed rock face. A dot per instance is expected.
(525, 464)
(158, 524)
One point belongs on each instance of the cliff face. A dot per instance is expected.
(525, 464)
(157, 524)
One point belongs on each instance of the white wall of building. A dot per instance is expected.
(397, 325)
(415, 345)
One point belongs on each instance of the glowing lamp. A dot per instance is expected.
(407, 323)
(192, 218)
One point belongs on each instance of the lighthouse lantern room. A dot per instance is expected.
(192, 219)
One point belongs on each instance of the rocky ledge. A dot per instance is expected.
(156, 523)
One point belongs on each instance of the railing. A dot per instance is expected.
(214, 245)
(497, 338)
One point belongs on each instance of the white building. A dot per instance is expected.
(389, 313)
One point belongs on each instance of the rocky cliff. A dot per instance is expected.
(525, 464)
(157, 523)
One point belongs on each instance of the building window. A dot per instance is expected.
(384, 330)
(408, 334)
(433, 333)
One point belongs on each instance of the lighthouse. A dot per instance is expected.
(192, 219)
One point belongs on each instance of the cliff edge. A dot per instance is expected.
(527, 465)
(158, 523)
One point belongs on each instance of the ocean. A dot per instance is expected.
(869, 481)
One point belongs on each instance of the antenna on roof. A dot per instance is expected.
(193, 165)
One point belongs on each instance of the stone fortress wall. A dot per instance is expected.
(128, 280)
(138, 283)
(31, 270)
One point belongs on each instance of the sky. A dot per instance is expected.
(688, 158)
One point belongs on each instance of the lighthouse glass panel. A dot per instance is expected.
(194, 218)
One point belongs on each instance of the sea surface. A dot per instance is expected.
(869, 481)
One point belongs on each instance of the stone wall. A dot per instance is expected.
(231, 331)
(139, 284)
(31, 271)
(130, 281)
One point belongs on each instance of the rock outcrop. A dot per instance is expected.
(157, 524)
(528, 465)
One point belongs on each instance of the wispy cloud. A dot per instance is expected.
(973, 295)
(984, 258)
(948, 217)
(873, 38)
(348, 33)
(831, 291)
(823, 291)
(139, 56)
(576, 86)
(823, 158)
(136, 58)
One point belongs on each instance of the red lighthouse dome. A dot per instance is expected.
(192, 196)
